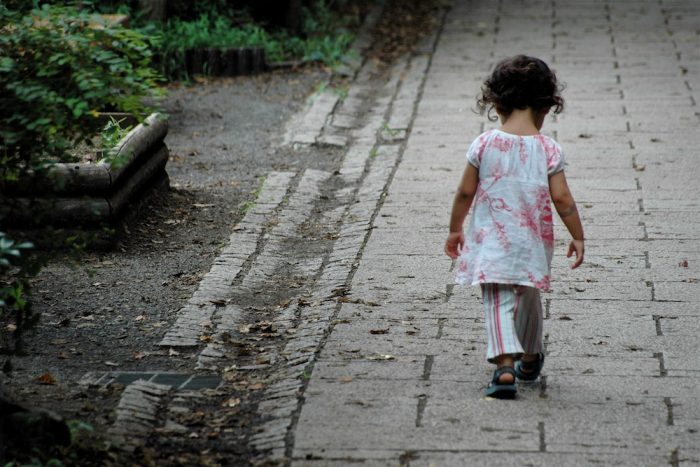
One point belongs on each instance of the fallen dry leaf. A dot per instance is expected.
(233, 402)
(262, 360)
(46, 378)
(379, 331)
(173, 353)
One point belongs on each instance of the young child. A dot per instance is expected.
(511, 175)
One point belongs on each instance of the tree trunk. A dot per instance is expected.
(293, 16)
(155, 10)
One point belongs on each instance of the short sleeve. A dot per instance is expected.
(476, 151)
(555, 162)
(555, 156)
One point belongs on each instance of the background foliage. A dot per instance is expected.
(59, 67)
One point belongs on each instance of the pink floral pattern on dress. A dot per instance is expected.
(502, 144)
(553, 152)
(522, 150)
(510, 237)
(537, 217)
(543, 283)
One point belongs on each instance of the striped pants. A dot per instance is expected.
(513, 320)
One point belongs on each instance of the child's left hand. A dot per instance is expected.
(454, 243)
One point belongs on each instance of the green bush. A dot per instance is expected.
(324, 39)
(17, 266)
(59, 67)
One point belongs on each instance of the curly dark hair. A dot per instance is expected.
(518, 83)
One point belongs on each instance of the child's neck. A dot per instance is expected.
(524, 122)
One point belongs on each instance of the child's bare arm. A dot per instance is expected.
(460, 208)
(566, 208)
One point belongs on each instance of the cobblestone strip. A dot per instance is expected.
(298, 209)
(215, 287)
(137, 413)
(402, 107)
(306, 128)
(281, 399)
(280, 403)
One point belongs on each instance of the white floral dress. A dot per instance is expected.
(510, 238)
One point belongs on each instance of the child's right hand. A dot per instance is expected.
(454, 243)
(576, 247)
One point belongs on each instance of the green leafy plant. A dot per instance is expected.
(325, 37)
(17, 266)
(111, 135)
(60, 67)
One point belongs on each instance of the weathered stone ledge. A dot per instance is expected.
(90, 193)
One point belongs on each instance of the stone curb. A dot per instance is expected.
(136, 414)
(83, 193)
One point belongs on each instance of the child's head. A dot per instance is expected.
(518, 83)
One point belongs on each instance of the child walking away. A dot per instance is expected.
(512, 173)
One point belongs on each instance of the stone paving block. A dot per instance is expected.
(599, 267)
(374, 347)
(404, 290)
(417, 328)
(359, 418)
(402, 311)
(565, 306)
(602, 389)
(629, 364)
(399, 368)
(671, 246)
(618, 333)
(595, 428)
(343, 457)
(677, 291)
(680, 326)
(677, 363)
(618, 291)
(686, 413)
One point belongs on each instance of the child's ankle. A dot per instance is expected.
(505, 360)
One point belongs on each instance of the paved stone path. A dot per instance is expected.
(400, 376)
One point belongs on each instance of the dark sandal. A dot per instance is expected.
(529, 371)
(502, 390)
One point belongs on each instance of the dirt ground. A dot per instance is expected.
(108, 310)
